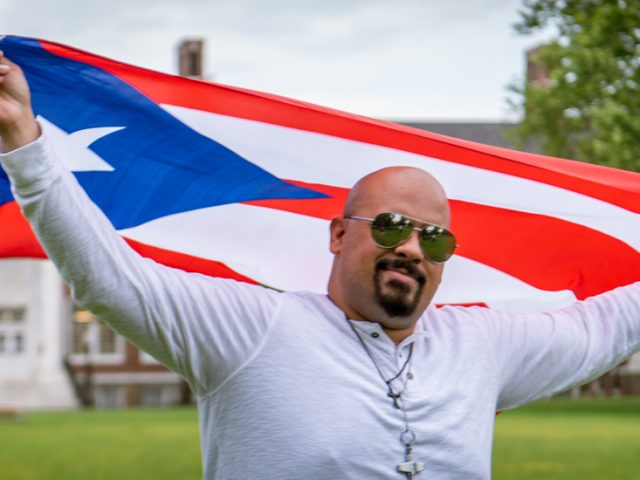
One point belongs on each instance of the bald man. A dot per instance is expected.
(367, 382)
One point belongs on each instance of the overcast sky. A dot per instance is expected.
(391, 59)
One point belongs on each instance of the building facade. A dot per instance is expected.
(34, 313)
(107, 371)
(55, 357)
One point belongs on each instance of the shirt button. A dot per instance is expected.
(375, 334)
(410, 376)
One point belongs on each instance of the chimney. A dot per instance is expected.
(190, 58)
(536, 74)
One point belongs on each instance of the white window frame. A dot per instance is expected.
(11, 329)
(93, 356)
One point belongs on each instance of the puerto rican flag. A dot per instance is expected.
(242, 184)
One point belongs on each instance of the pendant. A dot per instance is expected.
(409, 467)
(395, 396)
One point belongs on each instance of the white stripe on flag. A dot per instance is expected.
(467, 281)
(291, 252)
(277, 248)
(316, 158)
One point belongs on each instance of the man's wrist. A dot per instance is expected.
(20, 133)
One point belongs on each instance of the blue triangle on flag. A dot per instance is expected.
(161, 166)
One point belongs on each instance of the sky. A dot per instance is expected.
(431, 60)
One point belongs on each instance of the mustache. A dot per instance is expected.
(401, 264)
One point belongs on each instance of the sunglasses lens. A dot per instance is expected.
(437, 243)
(390, 229)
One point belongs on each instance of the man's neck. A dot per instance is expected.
(399, 335)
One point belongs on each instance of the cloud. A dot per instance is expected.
(409, 58)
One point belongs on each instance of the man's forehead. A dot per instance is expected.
(405, 190)
(393, 180)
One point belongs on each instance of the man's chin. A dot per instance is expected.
(398, 294)
(397, 302)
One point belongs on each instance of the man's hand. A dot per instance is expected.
(17, 123)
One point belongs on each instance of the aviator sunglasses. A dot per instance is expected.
(392, 229)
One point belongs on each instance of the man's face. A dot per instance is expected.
(391, 286)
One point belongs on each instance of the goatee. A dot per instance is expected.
(399, 302)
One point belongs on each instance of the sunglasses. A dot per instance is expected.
(392, 229)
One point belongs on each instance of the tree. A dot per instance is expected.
(588, 107)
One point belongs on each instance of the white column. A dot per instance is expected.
(35, 378)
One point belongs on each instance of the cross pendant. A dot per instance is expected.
(409, 467)
(395, 396)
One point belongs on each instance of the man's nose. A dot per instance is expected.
(410, 248)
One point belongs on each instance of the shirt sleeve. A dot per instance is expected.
(539, 355)
(203, 328)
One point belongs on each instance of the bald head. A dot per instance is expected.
(389, 285)
(397, 185)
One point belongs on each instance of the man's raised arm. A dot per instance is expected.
(201, 327)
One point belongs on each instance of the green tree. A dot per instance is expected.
(588, 108)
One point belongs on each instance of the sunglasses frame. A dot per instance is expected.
(423, 231)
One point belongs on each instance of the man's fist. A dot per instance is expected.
(17, 123)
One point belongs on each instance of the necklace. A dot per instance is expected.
(408, 437)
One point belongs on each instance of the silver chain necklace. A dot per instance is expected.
(408, 437)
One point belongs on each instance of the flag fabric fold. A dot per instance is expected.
(241, 184)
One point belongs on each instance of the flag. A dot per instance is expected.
(242, 184)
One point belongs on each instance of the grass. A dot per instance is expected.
(102, 445)
(559, 439)
(566, 439)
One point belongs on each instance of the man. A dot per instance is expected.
(367, 382)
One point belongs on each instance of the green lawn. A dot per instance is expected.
(561, 439)
(151, 444)
(565, 439)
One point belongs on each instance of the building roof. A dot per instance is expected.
(481, 132)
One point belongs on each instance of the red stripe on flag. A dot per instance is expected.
(466, 305)
(186, 262)
(325, 208)
(617, 187)
(17, 239)
(546, 252)
(495, 237)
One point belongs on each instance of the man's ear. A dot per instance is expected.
(337, 229)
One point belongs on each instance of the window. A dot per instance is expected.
(12, 331)
(79, 332)
(151, 395)
(18, 342)
(107, 339)
(11, 315)
(92, 341)
(110, 396)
